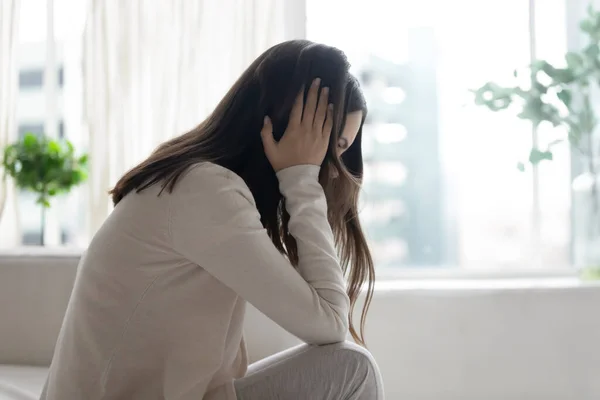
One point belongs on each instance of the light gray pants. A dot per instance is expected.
(341, 371)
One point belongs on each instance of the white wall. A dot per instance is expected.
(514, 340)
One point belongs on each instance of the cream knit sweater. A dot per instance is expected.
(159, 299)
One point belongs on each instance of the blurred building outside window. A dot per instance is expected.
(441, 184)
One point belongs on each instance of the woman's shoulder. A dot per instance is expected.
(212, 192)
(209, 177)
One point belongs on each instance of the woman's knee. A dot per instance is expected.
(353, 353)
(359, 366)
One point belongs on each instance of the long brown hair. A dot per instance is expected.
(230, 137)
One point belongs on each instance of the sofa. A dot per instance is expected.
(35, 285)
(501, 339)
(34, 291)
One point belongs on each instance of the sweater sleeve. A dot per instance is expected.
(215, 224)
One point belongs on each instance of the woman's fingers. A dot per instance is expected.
(306, 138)
(328, 126)
(268, 140)
(321, 112)
(310, 107)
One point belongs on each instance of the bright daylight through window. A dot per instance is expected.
(441, 184)
(52, 108)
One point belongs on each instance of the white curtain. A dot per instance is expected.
(153, 69)
(9, 18)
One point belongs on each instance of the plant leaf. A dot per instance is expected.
(494, 97)
(592, 51)
(560, 75)
(535, 156)
(586, 26)
(30, 141)
(574, 60)
(53, 147)
(565, 96)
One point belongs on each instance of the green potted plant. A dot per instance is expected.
(45, 167)
(563, 96)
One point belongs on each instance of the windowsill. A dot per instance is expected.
(451, 272)
(411, 279)
(493, 284)
(492, 279)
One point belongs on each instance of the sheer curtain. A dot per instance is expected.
(154, 69)
(9, 18)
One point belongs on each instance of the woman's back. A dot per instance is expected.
(143, 316)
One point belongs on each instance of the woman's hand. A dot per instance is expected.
(306, 137)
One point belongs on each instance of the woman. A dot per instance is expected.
(254, 204)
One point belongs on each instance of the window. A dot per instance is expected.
(37, 128)
(441, 183)
(34, 78)
(41, 105)
(31, 78)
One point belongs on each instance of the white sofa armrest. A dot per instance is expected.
(35, 286)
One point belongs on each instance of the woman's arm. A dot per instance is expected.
(216, 225)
